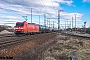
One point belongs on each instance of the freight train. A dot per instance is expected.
(30, 28)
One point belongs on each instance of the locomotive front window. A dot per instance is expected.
(19, 24)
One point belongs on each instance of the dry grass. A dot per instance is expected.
(16, 50)
(64, 46)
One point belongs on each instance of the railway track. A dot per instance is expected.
(39, 39)
(76, 36)
(38, 52)
(11, 42)
(7, 35)
(8, 42)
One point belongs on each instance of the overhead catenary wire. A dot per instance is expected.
(42, 4)
(4, 13)
(36, 5)
(37, 15)
(18, 4)
(33, 9)
(53, 6)
(24, 7)
(31, 6)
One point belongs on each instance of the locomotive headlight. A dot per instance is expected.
(16, 28)
(21, 28)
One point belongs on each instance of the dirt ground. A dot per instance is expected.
(65, 45)
(27, 50)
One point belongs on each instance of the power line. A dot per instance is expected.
(31, 11)
(33, 5)
(53, 5)
(25, 7)
(15, 2)
(42, 4)
(18, 3)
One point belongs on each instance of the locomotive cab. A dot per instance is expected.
(19, 28)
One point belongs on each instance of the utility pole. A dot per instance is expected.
(75, 21)
(31, 15)
(70, 26)
(85, 27)
(45, 22)
(49, 23)
(72, 23)
(53, 24)
(58, 20)
(44, 19)
(65, 25)
(39, 19)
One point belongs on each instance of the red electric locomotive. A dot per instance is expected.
(24, 28)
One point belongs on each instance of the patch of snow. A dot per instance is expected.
(5, 32)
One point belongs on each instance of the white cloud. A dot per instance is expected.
(70, 15)
(40, 7)
(86, 0)
(11, 17)
(23, 6)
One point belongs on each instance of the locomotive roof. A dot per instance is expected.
(34, 24)
(31, 23)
